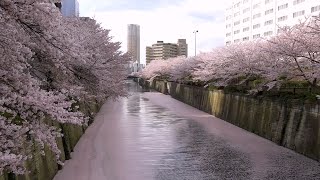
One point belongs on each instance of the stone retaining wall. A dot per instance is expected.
(45, 167)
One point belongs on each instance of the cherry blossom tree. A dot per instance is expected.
(214, 66)
(299, 47)
(181, 68)
(103, 59)
(47, 63)
(175, 69)
(156, 68)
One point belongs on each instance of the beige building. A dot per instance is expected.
(149, 54)
(161, 50)
(182, 47)
(133, 38)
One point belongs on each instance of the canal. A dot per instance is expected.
(150, 136)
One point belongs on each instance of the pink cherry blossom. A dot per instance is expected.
(48, 65)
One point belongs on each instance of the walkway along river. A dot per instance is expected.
(150, 136)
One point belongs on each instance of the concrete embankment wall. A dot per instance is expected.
(45, 167)
(290, 123)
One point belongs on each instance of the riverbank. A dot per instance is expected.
(45, 167)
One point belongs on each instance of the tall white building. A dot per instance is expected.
(252, 19)
(133, 38)
(70, 8)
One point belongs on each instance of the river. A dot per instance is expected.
(150, 136)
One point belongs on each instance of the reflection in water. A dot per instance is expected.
(178, 148)
(199, 155)
(133, 87)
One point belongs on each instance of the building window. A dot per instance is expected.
(246, 10)
(256, 16)
(315, 8)
(268, 22)
(228, 17)
(256, 26)
(268, 33)
(299, 13)
(282, 18)
(256, 36)
(228, 34)
(283, 6)
(245, 1)
(236, 5)
(236, 32)
(245, 38)
(236, 14)
(228, 42)
(228, 25)
(236, 40)
(245, 29)
(256, 6)
(281, 30)
(269, 11)
(268, 1)
(236, 23)
(297, 2)
(246, 19)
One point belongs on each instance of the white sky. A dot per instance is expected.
(164, 20)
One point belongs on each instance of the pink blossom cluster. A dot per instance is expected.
(48, 65)
(178, 68)
(294, 54)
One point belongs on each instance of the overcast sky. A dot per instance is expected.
(166, 20)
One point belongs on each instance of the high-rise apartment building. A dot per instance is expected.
(161, 50)
(70, 8)
(149, 54)
(182, 47)
(252, 19)
(133, 38)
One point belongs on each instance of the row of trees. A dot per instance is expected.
(292, 55)
(48, 64)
